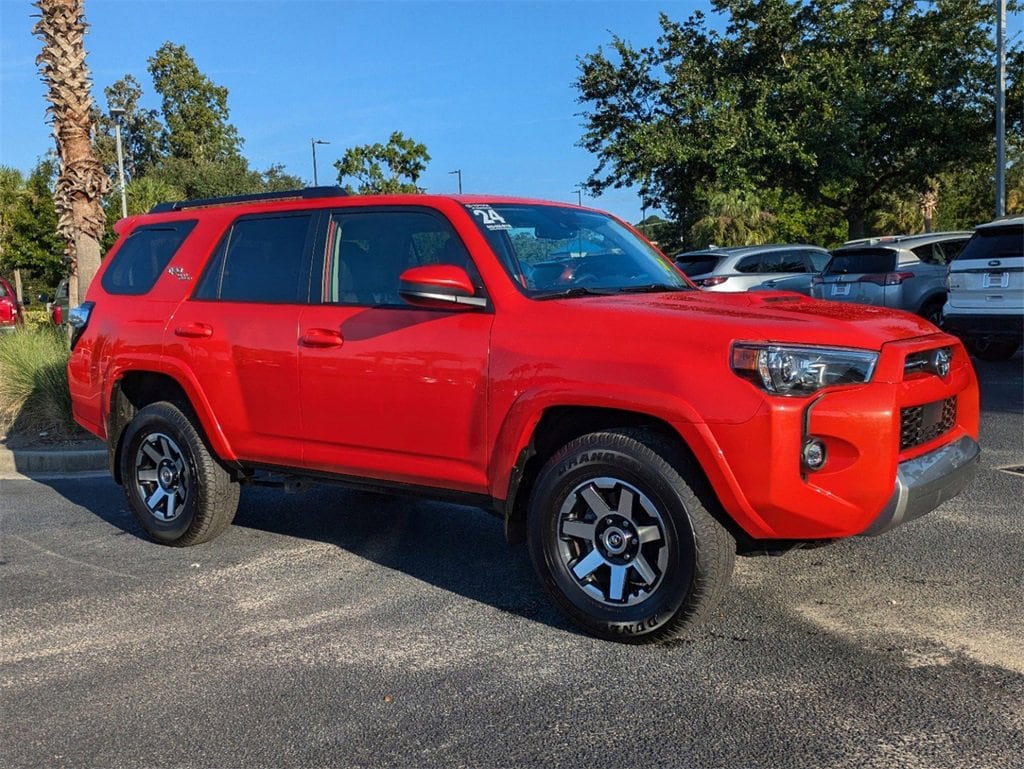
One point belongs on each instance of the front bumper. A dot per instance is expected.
(924, 483)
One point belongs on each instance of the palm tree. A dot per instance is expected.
(82, 181)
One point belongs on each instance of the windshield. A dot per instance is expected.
(696, 264)
(554, 251)
(994, 243)
(864, 260)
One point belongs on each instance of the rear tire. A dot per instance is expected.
(992, 349)
(932, 312)
(622, 542)
(176, 489)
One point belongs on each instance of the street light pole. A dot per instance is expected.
(579, 196)
(1001, 110)
(313, 143)
(459, 172)
(116, 114)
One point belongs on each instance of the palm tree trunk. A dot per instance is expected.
(82, 181)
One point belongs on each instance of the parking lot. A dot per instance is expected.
(349, 629)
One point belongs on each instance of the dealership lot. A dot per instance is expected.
(349, 629)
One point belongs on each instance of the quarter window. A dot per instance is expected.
(138, 263)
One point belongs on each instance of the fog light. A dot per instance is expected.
(814, 454)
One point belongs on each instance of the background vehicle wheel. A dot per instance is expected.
(175, 488)
(620, 539)
(992, 349)
(932, 312)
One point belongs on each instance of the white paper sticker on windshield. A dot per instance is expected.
(490, 218)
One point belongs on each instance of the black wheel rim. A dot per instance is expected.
(612, 542)
(162, 477)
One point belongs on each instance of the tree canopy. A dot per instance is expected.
(384, 168)
(836, 102)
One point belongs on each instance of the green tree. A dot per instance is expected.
(30, 241)
(838, 102)
(142, 132)
(195, 109)
(81, 181)
(384, 168)
(734, 218)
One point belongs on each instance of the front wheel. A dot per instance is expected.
(621, 540)
(176, 489)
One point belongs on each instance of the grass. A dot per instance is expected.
(34, 394)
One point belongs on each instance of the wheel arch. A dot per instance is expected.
(558, 425)
(136, 389)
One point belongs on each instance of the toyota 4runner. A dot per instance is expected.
(540, 360)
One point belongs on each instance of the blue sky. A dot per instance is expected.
(485, 85)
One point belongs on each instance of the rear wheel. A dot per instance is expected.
(177, 491)
(992, 348)
(620, 539)
(932, 312)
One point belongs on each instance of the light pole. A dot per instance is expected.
(1001, 109)
(459, 172)
(313, 143)
(579, 196)
(116, 114)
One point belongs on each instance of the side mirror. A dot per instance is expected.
(441, 286)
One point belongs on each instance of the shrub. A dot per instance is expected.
(34, 384)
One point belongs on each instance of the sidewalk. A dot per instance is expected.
(38, 459)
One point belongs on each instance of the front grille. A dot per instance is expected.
(920, 424)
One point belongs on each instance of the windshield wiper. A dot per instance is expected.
(565, 293)
(652, 288)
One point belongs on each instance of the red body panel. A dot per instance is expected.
(450, 399)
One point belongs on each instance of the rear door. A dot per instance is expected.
(238, 333)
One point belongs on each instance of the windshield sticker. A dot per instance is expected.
(490, 218)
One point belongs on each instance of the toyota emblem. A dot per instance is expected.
(941, 362)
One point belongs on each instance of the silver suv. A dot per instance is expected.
(906, 272)
(741, 268)
(985, 305)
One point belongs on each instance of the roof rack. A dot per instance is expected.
(256, 197)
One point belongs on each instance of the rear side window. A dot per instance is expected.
(994, 243)
(261, 259)
(136, 265)
(867, 260)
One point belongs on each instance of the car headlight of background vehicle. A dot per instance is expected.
(786, 370)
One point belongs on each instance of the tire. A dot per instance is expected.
(622, 542)
(932, 312)
(175, 488)
(992, 348)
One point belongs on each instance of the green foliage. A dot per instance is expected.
(838, 103)
(33, 382)
(29, 240)
(384, 168)
(195, 110)
(142, 135)
(734, 218)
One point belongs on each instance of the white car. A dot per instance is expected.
(985, 283)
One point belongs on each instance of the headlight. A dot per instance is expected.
(785, 370)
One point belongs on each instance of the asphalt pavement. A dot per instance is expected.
(336, 628)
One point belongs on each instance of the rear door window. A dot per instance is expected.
(261, 259)
(137, 264)
(697, 264)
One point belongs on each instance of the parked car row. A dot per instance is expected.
(970, 283)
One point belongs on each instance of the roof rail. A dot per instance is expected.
(303, 194)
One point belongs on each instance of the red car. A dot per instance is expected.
(12, 315)
(542, 361)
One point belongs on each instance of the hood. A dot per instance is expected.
(767, 316)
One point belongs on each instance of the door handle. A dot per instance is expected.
(321, 338)
(194, 331)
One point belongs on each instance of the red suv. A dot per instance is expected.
(542, 361)
(12, 316)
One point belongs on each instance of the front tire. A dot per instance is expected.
(620, 539)
(176, 489)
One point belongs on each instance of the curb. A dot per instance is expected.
(28, 463)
